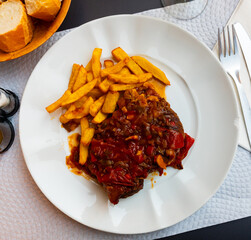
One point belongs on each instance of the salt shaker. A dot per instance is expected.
(9, 103)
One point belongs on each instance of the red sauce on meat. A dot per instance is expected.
(125, 146)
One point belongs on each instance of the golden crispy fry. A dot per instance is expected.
(54, 106)
(120, 54)
(96, 62)
(89, 76)
(84, 125)
(108, 63)
(83, 154)
(79, 103)
(124, 71)
(97, 105)
(84, 90)
(63, 119)
(114, 69)
(95, 93)
(100, 117)
(74, 74)
(98, 81)
(123, 87)
(149, 67)
(80, 112)
(80, 79)
(88, 67)
(110, 102)
(104, 85)
(130, 78)
(145, 77)
(87, 136)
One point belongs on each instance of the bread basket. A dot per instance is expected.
(43, 31)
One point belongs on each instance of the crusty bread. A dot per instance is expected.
(16, 28)
(43, 9)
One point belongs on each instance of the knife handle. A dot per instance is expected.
(245, 107)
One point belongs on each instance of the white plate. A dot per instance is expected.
(200, 93)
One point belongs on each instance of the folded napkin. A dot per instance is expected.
(242, 15)
(27, 214)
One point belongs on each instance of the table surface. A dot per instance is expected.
(82, 11)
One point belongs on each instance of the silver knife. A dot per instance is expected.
(245, 43)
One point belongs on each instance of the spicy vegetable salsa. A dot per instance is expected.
(143, 135)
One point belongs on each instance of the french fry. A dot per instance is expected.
(123, 87)
(80, 112)
(114, 69)
(54, 106)
(84, 90)
(104, 85)
(89, 76)
(96, 62)
(120, 54)
(95, 93)
(100, 117)
(83, 154)
(84, 124)
(80, 79)
(108, 63)
(110, 102)
(149, 67)
(97, 105)
(79, 103)
(130, 78)
(63, 119)
(98, 81)
(124, 71)
(74, 74)
(87, 136)
(88, 67)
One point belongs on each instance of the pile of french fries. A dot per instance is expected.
(93, 91)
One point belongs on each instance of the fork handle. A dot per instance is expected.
(245, 107)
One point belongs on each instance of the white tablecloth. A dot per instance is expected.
(25, 213)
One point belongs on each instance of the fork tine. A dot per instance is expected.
(224, 43)
(219, 44)
(236, 51)
(230, 45)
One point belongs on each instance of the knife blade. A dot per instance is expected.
(245, 44)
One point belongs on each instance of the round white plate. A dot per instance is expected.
(200, 93)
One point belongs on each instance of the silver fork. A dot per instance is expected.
(230, 59)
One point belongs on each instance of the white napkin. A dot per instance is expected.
(25, 213)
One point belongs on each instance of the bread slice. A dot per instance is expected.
(43, 9)
(16, 28)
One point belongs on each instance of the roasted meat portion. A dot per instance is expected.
(142, 136)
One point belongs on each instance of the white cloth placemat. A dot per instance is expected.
(25, 213)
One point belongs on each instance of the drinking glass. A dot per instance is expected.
(184, 9)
